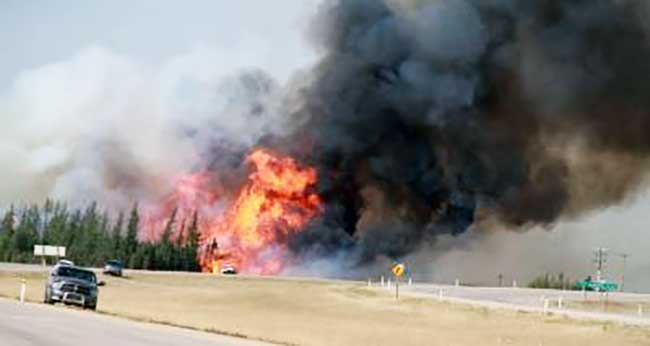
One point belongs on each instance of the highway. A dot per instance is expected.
(37, 325)
(532, 300)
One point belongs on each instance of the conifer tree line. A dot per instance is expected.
(92, 237)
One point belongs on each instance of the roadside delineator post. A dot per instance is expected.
(369, 283)
(457, 283)
(560, 302)
(640, 310)
(410, 280)
(440, 294)
(514, 283)
(546, 303)
(23, 290)
(382, 281)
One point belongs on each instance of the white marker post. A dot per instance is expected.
(382, 281)
(369, 283)
(514, 283)
(410, 281)
(560, 303)
(640, 310)
(23, 290)
(457, 283)
(440, 294)
(546, 303)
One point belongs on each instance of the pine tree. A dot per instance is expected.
(88, 246)
(180, 256)
(26, 235)
(8, 230)
(131, 241)
(105, 240)
(165, 250)
(192, 245)
(57, 225)
(116, 234)
(44, 229)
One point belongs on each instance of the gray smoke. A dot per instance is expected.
(425, 119)
(101, 126)
(431, 117)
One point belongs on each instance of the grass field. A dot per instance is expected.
(302, 312)
(599, 305)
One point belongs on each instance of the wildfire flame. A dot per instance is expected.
(251, 231)
(191, 192)
(277, 201)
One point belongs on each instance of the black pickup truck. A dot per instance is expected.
(72, 285)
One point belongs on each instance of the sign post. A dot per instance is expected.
(398, 270)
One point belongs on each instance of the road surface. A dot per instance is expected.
(532, 300)
(38, 325)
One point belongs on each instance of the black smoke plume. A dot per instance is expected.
(428, 117)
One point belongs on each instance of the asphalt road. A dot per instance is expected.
(37, 325)
(532, 300)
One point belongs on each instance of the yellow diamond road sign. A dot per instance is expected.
(399, 269)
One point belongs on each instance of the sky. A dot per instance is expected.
(268, 34)
(127, 75)
(71, 76)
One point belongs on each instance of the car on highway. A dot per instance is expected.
(72, 286)
(65, 262)
(228, 270)
(113, 267)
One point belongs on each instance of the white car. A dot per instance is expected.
(228, 270)
(65, 262)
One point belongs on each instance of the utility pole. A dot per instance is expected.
(600, 261)
(624, 256)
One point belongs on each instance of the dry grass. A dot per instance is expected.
(328, 313)
(611, 306)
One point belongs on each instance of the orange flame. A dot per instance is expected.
(277, 201)
(191, 192)
(251, 231)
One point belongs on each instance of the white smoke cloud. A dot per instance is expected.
(102, 126)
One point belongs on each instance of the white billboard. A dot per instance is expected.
(49, 251)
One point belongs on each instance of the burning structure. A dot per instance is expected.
(421, 118)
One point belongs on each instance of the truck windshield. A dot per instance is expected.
(76, 273)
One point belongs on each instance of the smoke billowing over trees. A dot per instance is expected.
(422, 117)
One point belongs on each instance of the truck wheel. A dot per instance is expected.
(48, 300)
